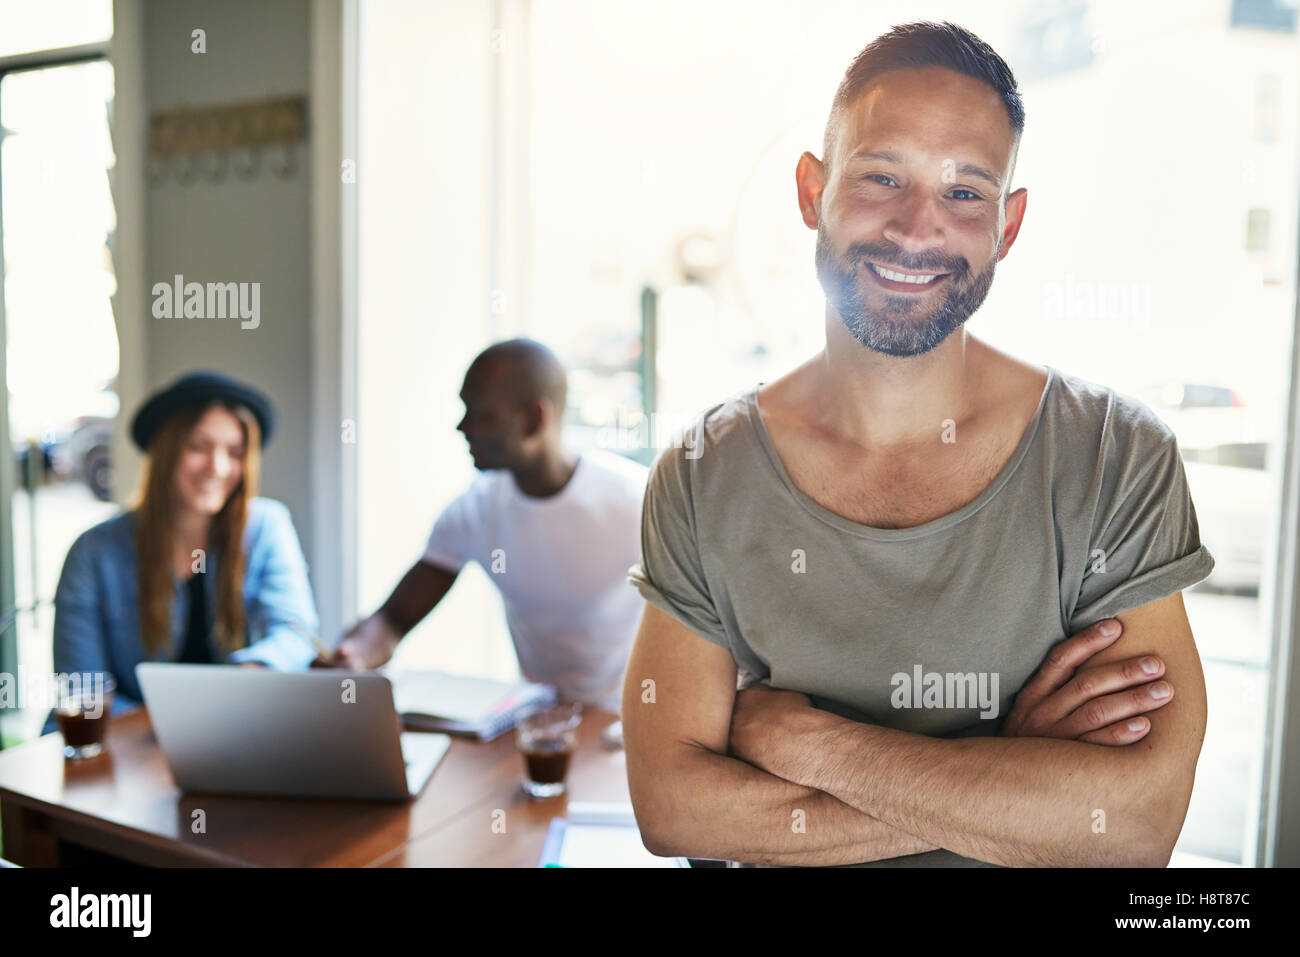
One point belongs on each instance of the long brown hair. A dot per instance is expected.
(154, 526)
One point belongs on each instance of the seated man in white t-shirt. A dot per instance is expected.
(555, 530)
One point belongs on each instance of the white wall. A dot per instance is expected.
(237, 231)
(130, 257)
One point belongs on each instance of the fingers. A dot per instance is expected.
(1059, 665)
(1090, 683)
(341, 657)
(1120, 733)
(1104, 711)
(335, 659)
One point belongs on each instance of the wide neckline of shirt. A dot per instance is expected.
(549, 501)
(939, 524)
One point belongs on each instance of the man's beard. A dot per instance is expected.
(900, 326)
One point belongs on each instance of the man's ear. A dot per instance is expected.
(537, 416)
(810, 177)
(1015, 216)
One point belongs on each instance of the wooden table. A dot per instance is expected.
(124, 803)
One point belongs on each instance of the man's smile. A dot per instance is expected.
(902, 280)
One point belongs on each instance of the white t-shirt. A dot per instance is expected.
(561, 565)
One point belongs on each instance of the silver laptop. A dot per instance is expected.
(320, 733)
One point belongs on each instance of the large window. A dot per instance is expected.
(60, 340)
(659, 231)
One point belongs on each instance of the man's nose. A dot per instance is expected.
(914, 223)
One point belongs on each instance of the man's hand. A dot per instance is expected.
(1095, 704)
(1101, 705)
(761, 718)
(369, 644)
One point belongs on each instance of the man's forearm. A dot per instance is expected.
(719, 808)
(1011, 801)
(420, 589)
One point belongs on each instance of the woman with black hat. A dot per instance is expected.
(201, 570)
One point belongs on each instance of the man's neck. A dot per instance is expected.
(549, 474)
(878, 401)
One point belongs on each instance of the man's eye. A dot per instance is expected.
(880, 176)
(968, 193)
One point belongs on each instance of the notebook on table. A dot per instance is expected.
(479, 708)
(599, 835)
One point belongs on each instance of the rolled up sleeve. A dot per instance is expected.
(671, 575)
(1146, 542)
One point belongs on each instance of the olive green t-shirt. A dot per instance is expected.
(1089, 517)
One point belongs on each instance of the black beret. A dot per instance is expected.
(199, 388)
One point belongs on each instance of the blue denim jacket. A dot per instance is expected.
(97, 613)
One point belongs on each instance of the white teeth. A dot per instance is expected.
(901, 277)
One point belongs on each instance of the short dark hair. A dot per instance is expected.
(925, 44)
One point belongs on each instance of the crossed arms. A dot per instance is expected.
(719, 775)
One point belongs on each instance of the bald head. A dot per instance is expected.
(514, 396)
(524, 371)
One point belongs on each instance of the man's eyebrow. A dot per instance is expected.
(965, 169)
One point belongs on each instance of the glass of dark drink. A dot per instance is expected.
(82, 710)
(547, 740)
